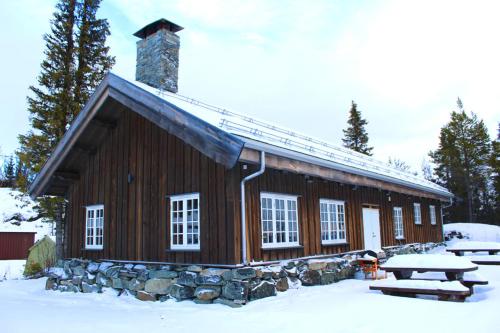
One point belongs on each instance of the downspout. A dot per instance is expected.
(243, 212)
(442, 219)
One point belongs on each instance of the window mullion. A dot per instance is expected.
(285, 203)
(338, 221)
(273, 205)
(184, 222)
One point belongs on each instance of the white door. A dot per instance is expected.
(371, 227)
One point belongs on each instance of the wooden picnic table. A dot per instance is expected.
(453, 267)
(460, 248)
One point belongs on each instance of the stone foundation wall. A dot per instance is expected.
(233, 287)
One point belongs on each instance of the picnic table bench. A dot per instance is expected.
(485, 260)
(470, 279)
(446, 291)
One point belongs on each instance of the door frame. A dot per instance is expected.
(370, 209)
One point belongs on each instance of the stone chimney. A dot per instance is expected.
(158, 55)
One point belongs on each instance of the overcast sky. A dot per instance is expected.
(297, 63)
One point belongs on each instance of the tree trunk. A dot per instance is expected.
(59, 230)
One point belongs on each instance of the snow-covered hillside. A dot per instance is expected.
(474, 231)
(15, 211)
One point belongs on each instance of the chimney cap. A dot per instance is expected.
(157, 25)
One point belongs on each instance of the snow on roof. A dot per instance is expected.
(252, 130)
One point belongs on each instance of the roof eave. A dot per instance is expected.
(257, 145)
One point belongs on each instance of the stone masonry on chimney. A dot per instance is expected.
(158, 55)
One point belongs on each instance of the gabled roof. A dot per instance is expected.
(100, 110)
(221, 135)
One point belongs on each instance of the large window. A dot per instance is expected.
(332, 218)
(397, 215)
(279, 220)
(432, 213)
(417, 214)
(185, 222)
(94, 227)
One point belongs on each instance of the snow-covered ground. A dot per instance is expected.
(475, 231)
(347, 306)
(14, 202)
(11, 269)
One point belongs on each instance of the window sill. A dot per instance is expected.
(85, 249)
(400, 238)
(286, 247)
(182, 250)
(334, 244)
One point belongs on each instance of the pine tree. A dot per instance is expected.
(8, 172)
(462, 163)
(92, 53)
(355, 136)
(53, 98)
(495, 168)
(76, 60)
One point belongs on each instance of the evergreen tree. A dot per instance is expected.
(8, 172)
(355, 136)
(76, 60)
(461, 162)
(495, 167)
(21, 173)
(92, 53)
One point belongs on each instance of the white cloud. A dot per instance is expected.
(300, 64)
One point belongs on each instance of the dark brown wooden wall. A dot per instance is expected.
(136, 215)
(310, 191)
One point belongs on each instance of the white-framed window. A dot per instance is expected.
(417, 214)
(185, 222)
(397, 216)
(432, 213)
(94, 227)
(279, 220)
(332, 219)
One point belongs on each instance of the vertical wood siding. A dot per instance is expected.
(136, 214)
(311, 190)
(15, 245)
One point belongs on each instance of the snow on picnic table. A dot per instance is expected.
(474, 245)
(434, 261)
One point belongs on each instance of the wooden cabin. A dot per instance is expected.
(150, 175)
